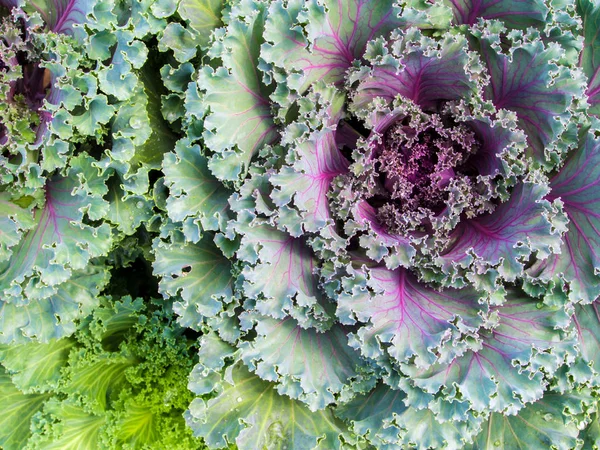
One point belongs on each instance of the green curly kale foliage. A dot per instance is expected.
(118, 382)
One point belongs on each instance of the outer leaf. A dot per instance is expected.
(383, 417)
(53, 317)
(318, 162)
(504, 374)
(505, 237)
(59, 242)
(17, 410)
(514, 14)
(126, 212)
(193, 190)
(307, 365)
(250, 413)
(320, 41)
(13, 221)
(413, 318)
(587, 323)
(74, 428)
(198, 272)
(538, 425)
(530, 83)
(239, 123)
(590, 56)
(577, 185)
(118, 78)
(36, 367)
(283, 273)
(202, 15)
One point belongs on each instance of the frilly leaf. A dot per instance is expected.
(35, 367)
(239, 123)
(250, 412)
(590, 55)
(514, 14)
(70, 427)
(18, 410)
(538, 425)
(418, 68)
(55, 316)
(505, 372)
(321, 40)
(306, 365)
(281, 272)
(413, 318)
(383, 417)
(530, 83)
(505, 238)
(59, 243)
(202, 15)
(193, 190)
(198, 272)
(577, 186)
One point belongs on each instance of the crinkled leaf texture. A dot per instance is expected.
(267, 418)
(577, 185)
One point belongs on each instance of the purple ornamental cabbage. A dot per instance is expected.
(26, 83)
(389, 227)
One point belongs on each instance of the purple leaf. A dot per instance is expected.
(63, 16)
(514, 13)
(505, 237)
(504, 373)
(321, 40)
(317, 162)
(577, 185)
(413, 318)
(529, 83)
(589, 60)
(427, 76)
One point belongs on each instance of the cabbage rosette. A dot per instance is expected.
(388, 230)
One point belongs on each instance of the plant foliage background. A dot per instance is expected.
(299, 224)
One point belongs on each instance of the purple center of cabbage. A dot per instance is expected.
(418, 164)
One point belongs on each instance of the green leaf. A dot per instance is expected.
(251, 413)
(183, 42)
(539, 425)
(119, 78)
(280, 275)
(14, 220)
(59, 243)
(98, 378)
(70, 428)
(389, 424)
(126, 212)
(97, 112)
(507, 369)
(198, 272)
(203, 16)
(307, 365)
(17, 411)
(36, 367)
(194, 192)
(53, 317)
(239, 123)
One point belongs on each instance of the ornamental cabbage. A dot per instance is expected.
(389, 225)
